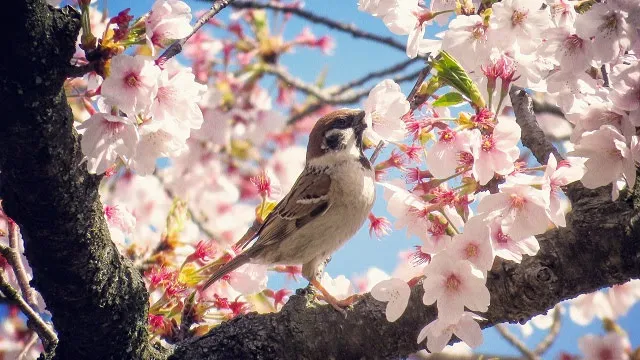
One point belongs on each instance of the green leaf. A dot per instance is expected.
(448, 99)
(451, 72)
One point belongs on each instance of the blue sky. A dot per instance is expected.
(353, 58)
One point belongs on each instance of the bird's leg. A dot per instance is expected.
(313, 271)
(339, 305)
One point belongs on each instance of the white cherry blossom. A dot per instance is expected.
(384, 108)
(105, 139)
(132, 84)
(438, 332)
(396, 293)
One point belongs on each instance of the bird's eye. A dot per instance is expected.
(342, 123)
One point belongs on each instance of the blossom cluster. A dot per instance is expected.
(477, 198)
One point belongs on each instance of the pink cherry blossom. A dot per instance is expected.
(608, 27)
(119, 217)
(474, 244)
(467, 34)
(395, 293)
(567, 49)
(522, 209)
(520, 22)
(598, 114)
(623, 297)
(106, 138)
(626, 94)
(132, 84)
(567, 87)
(496, 152)
(454, 284)
(558, 175)
(249, 279)
(168, 20)
(506, 247)
(587, 306)
(438, 333)
(175, 107)
(611, 346)
(384, 108)
(442, 158)
(608, 156)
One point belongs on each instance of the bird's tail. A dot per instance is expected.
(223, 270)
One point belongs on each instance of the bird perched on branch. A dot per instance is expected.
(325, 207)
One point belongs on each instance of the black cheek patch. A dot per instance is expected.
(335, 141)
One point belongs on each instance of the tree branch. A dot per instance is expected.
(532, 136)
(35, 322)
(317, 19)
(97, 299)
(176, 48)
(515, 342)
(552, 335)
(599, 232)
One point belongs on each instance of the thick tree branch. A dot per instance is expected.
(98, 301)
(532, 135)
(600, 247)
(317, 19)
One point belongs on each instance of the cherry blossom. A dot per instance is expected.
(384, 108)
(473, 244)
(609, 29)
(175, 107)
(106, 138)
(509, 248)
(626, 94)
(558, 175)
(523, 210)
(118, 216)
(132, 84)
(567, 49)
(168, 20)
(587, 306)
(467, 34)
(520, 22)
(608, 157)
(438, 333)
(396, 293)
(454, 284)
(442, 158)
(609, 346)
(496, 152)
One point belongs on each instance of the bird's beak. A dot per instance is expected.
(358, 121)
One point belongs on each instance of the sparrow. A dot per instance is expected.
(328, 203)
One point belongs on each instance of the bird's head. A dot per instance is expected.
(337, 133)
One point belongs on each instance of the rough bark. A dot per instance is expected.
(99, 302)
(97, 299)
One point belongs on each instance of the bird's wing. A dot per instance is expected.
(308, 199)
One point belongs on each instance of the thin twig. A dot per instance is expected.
(25, 351)
(352, 98)
(46, 334)
(175, 48)
(376, 152)
(375, 74)
(12, 254)
(552, 335)
(513, 340)
(314, 18)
